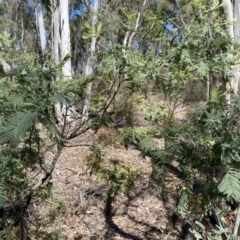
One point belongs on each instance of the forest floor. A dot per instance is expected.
(142, 216)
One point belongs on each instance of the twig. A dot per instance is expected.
(48, 173)
(72, 170)
(81, 145)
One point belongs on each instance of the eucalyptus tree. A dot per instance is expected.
(61, 49)
(40, 26)
(232, 15)
(65, 45)
(230, 11)
(89, 67)
(55, 30)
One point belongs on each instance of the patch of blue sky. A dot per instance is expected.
(78, 11)
(169, 26)
(81, 9)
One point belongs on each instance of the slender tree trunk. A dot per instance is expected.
(56, 48)
(236, 75)
(237, 222)
(61, 48)
(22, 33)
(65, 38)
(208, 88)
(89, 68)
(4, 66)
(236, 13)
(236, 29)
(232, 11)
(228, 10)
(55, 31)
(40, 26)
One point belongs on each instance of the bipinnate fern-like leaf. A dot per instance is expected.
(230, 184)
(16, 127)
(61, 64)
(182, 206)
(147, 144)
(129, 134)
(2, 197)
(14, 101)
(78, 87)
(60, 98)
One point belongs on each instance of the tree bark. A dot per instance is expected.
(61, 48)
(55, 31)
(236, 68)
(237, 222)
(40, 26)
(236, 12)
(228, 11)
(65, 38)
(89, 68)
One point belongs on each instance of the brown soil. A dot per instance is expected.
(143, 216)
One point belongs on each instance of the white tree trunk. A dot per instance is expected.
(236, 68)
(61, 48)
(237, 222)
(40, 26)
(89, 68)
(228, 10)
(4, 66)
(55, 30)
(65, 38)
(236, 11)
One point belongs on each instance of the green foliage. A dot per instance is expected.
(6, 41)
(206, 150)
(130, 15)
(27, 127)
(51, 209)
(129, 135)
(8, 46)
(97, 121)
(58, 207)
(14, 181)
(54, 235)
(34, 90)
(193, 49)
(29, 99)
(119, 176)
(201, 232)
(122, 75)
(203, 151)
(182, 206)
(16, 127)
(194, 52)
(230, 185)
(156, 114)
(90, 32)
